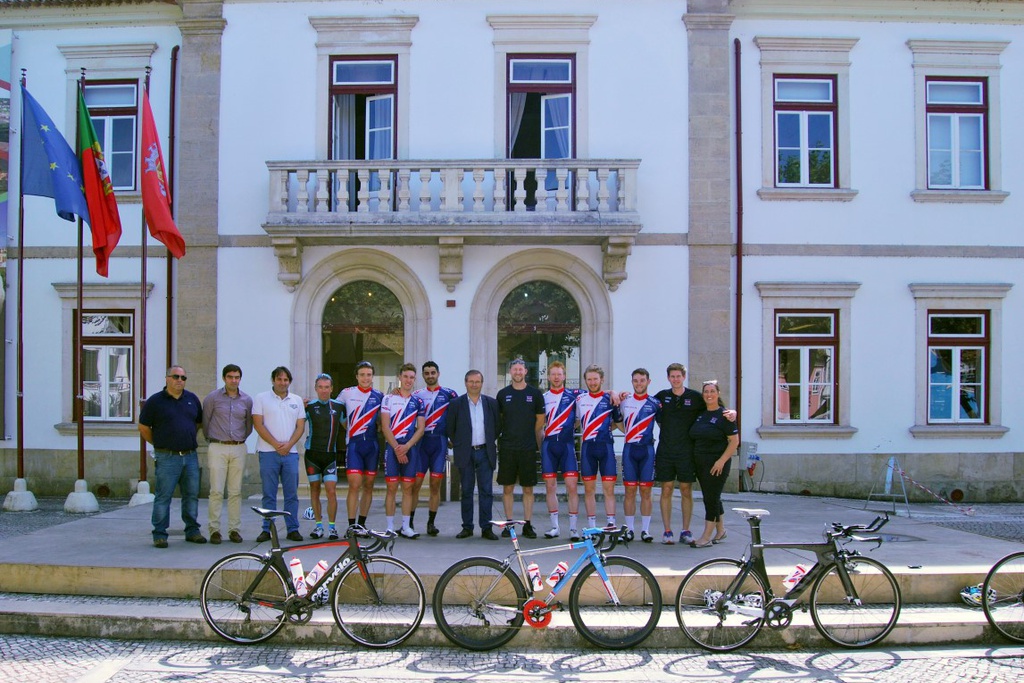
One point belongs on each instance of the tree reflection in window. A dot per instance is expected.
(363, 320)
(539, 322)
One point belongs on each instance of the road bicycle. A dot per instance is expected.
(480, 603)
(854, 600)
(1002, 596)
(378, 601)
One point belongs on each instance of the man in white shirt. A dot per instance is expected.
(279, 417)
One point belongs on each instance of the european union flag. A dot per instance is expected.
(48, 166)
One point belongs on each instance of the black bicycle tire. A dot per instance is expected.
(691, 593)
(994, 584)
(879, 632)
(219, 623)
(448, 601)
(651, 592)
(400, 631)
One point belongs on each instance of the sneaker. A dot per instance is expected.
(668, 538)
(646, 537)
(332, 533)
(405, 532)
(528, 531)
(318, 531)
(263, 537)
(552, 532)
(432, 530)
(574, 535)
(506, 533)
(628, 535)
(294, 536)
(685, 537)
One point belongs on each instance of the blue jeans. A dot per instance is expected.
(284, 470)
(172, 470)
(480, 474)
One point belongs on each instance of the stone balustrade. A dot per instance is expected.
(561, 186)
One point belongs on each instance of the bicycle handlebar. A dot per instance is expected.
(847, 530)
(380, 540)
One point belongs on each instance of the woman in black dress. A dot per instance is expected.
(715, 440)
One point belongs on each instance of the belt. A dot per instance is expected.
(480, 448)
(167, 450)
(226, 443)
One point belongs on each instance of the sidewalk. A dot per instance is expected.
(152, 592)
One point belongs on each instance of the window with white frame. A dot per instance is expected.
(805, 380)
(805, 120)
(959, 359)
(110, 363)
(957, 351)
(805, 127)
(956, 101)
(114, 109)
(957, 112)
(806, 344)
(108, 352)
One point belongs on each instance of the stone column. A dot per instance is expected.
(198, 185)
(710, 237)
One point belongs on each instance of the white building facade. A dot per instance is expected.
(470, 182)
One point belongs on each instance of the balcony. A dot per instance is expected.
(452, 203)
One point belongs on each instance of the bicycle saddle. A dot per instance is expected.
(751, 513)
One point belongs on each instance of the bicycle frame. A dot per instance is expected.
(591, 554)
(827, 554)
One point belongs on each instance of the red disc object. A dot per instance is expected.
(534, 616)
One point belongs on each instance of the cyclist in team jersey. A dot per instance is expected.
(433, 447)
(558, 450)
(639, 412)
(362, 405)
(597, 414)
(326, 420)
(402, 422)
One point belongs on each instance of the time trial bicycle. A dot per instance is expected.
(1002, 596)
(854, 600)
(480, 603)
(377, 601)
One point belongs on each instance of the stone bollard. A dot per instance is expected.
(20, 499)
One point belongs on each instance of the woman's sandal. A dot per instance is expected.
(718, 539)
(702, 545)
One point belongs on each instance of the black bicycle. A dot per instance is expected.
(378, 601)
(1002, 596)
(854, 600)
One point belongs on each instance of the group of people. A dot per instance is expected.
(513, 432)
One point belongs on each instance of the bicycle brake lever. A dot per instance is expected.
(877, 540)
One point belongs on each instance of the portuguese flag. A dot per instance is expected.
(104, 219)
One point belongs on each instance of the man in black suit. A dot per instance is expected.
(473, 429)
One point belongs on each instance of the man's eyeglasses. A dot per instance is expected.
(713, 382)
(324, 375)
(183, 378)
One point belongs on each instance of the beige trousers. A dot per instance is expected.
(226, 464)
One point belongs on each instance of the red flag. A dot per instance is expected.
(156, 196)
(104, 220)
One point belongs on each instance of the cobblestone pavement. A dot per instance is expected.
(50, 512)
(45, 660)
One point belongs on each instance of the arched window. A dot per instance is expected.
(539, 322)
(363, 320)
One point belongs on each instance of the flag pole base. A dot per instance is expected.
(20, 499)
(81, 500)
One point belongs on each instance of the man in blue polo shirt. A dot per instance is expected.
(169, 420)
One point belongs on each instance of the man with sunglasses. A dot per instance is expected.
(169, 420)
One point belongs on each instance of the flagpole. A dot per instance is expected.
(79, 356)
(142, 329)
(20, 405)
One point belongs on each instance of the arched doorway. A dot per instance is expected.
(363, 320)
(540, 322)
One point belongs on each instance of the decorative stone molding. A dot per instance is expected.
(202, 27)
(449, 252)
(288, 251)
(616, 250)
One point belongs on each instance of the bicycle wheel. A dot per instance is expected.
(606, 624)
(478, 603)
(861, 619)
(1002, 597)
(381, 608)
(720, 626)
(239, 603)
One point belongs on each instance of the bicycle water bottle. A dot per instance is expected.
(560, 570)
(315, 573)
(534, 571)
(794, 577)
(298, 577)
